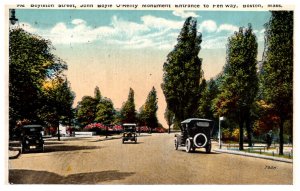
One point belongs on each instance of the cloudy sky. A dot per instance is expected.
(118, 49)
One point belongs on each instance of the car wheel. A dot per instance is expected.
(22, 149)
(188, 146)
(176, 144)
(208, 148)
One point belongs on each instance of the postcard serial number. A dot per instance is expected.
(268, 167)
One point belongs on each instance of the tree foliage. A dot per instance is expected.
(148, 111)
(128, 112)
(277, 70)
(240, 82)
(105, 112)
(86, 110)
(182, 73)
(31, 63)
(169, 117)
(58, 99)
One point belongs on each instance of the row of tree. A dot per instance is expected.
(247, 95)
(40, 93)
(100, 109)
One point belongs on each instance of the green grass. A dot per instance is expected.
(268, 154)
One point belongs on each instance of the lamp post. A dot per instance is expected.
(13, 20)
(220, 134)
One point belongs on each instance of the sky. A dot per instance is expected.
(119, 49)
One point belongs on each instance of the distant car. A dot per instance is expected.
(195, 133)
(31, 138)
(129, 132)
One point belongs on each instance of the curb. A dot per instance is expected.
(254, 155)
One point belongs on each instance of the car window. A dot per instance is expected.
(202, 124)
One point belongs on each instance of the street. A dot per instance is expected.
(153, 160)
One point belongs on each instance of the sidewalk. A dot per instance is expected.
(235, 152)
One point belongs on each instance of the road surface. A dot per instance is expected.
(153, 160)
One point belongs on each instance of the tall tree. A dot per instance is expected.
(128, 112)
(277, 70)
(182, 73)
(30, 64)
(148, 110)
(240, 82)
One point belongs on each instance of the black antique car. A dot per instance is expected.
(31, 138)
(195, 133)
(129, 132)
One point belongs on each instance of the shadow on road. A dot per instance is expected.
(63, 148)
(106, 139)
(201, 152)
(59, 148)
(19, 176)
(132, 143)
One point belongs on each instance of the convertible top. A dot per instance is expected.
(195, 119)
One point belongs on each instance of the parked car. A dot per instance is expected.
(195, 133)
(129, 132)
(31, 138)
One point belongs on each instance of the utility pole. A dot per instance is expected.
(220, 134)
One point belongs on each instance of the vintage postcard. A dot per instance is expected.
(149, 94)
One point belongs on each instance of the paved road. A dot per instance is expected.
(152, 161)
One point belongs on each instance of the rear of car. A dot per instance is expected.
(31, 138)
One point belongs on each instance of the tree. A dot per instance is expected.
(57, 103)
(30, 64)
(105, 112)
(240, 82)
(277, 69)
(148, 111)
(97, 94)
(128, 112)
(86, 110)
(182, 73)
(210, 92)
(169, 117)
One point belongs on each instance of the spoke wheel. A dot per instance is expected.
(188, 146)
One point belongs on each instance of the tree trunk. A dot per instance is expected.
(169, 129)
(241, 141)
(58, 133)
(249, 131)
(281, 137)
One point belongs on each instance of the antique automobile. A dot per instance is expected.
(31, 138)
(195, 133)
(129, 132)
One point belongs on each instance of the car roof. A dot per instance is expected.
(31, 126)
(195, 119)
(129, 124)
